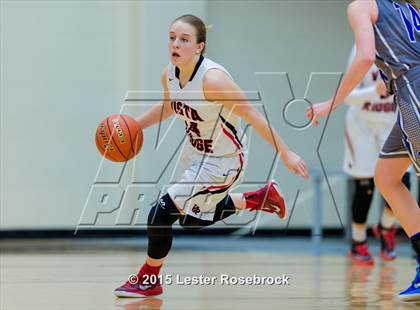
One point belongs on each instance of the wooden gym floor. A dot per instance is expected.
(81, 274)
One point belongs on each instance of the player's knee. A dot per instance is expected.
(163, 214)
(384, 180)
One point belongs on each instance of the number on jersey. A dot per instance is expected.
(410, 25)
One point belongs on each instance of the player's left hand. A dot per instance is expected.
(294, 163)
(317, 110)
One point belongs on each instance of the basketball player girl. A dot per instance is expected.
(369, 120)
(389, 32)
(203, 94)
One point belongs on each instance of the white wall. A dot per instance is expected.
(67, 65)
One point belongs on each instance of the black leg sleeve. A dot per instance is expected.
(362, 199)
(159, 227)
(224, 209)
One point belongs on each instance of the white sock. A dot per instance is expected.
(387, 220)
(358, 234)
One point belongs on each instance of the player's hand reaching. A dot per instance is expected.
(294, 163)
(317, 110)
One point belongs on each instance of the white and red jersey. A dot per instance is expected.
(367, 105)
(210, 129)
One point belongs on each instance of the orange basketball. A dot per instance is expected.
(119, 137)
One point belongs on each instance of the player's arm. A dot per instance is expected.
(218, 86)
(160, 111)
(361, 15)
(361, 20)
(361, 93)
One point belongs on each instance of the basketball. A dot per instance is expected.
(119, 138)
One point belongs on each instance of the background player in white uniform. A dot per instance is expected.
(203, 95)
(369, 120)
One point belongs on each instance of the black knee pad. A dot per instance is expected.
(159, 227)
(193, 223)
(362, 199)
(224, 209)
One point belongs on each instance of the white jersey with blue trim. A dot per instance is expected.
(210, 129)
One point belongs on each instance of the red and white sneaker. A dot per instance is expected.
(267, 199)
(360, 255)
(136, 287)
(387, 238)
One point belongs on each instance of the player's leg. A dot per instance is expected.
(362, 198)
(216, 197)
(404, 205)
(385, 230)
(388, 180)
(223, 210)
(360, 155)
(159, 233)
(223, 174)
(389, 172)
(268, 199)
(183, 199)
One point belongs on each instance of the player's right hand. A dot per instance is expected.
(314, 111)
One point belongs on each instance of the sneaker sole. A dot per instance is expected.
(411, 297)
(386, 257)
(280, 198)
(132, 294)
(358, 262)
